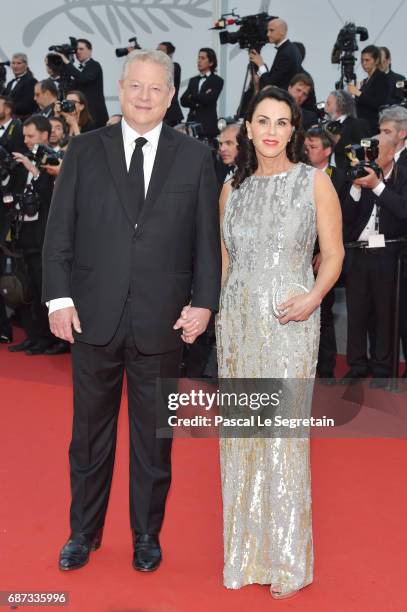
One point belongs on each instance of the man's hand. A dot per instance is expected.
(370, 181)
(64, 58)
(52, 170)
(61, 323)
(256, 58)
(193, 321)
(22, 159)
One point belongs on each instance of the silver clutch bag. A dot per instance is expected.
(285, 291)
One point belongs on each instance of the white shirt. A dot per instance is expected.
(356, 193)
(202, 79)
(149, 152)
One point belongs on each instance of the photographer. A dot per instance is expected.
(46, 96)
(202, 93)
(21, 88)
(174, 115)
(59, 133)
(301, 86)
(393, 123)
(225, 165)
(287, 61)
(375, 210)
(28, 234)
(340, 107)
(78, 119)
(373, 91)
(395, 95)
(88, 79)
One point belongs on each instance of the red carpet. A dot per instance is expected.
(359, 512)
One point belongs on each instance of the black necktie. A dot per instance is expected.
(136, 175)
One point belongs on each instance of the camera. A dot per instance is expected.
(19, 204)
(7, 164)
(333, 127)
(3, 74)
(123, 51)
(67, 106)
(344, 49)
(54, 61)
(365, 154)
(251, 35)
(41, 155)
(403, 86)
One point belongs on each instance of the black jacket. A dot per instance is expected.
(286, 64)
(94, 252)
(89, 81)
(375, 92)
(202, 104)
(32, 233)
(12, 138)
(402, 160)
(395, 95)
(308, 118)
(174, 113)
(23, 96)
(353, 130)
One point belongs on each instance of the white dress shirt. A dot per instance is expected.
(149, 152)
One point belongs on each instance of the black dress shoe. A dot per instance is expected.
(23, 346)
(6, 338)
(353, 377)
(75, 553)
(39, 347)
(59, 348)
(147, 552)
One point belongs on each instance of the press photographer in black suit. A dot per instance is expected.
(340, 106)
(373, 206)
(201, 95)
(88, 78)
(46, 96)
(21, 88)
(174, 115)
(395, 94)
(133, 226)
(300, 87)
(318, 147)
(373, 91)
(287, 61)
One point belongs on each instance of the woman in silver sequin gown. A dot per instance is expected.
(270, 214)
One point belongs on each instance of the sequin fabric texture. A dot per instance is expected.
(269, 230)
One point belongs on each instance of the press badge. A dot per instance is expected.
(376, 241)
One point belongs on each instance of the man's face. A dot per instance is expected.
(57, 132)
(384, 61)
(317, 155)
(330, 107)
(228, 145)
(40, 96)
(32, 136)
(82, 52)
(274, 32)
(300, 92)
(18, 66)
(5, 113)
(387, 151)
(204, 63)
(391, 130)
(145, 95)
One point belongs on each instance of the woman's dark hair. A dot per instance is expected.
(85, 117)
(211, 57)
(169, 46)
(246, 158)
(373, 51)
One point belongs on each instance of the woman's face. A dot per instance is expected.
(368, 63)
(270, 128)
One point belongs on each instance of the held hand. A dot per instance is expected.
(256, 58)
(193, 322)
(61, 323)
(370, 181)
(22, 159)
(298, 308)
(52, 170)
(354, 90)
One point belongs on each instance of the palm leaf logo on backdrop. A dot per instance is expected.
(106, 17)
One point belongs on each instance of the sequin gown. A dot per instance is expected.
(269, 231)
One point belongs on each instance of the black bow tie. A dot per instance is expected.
(203, 76)
(2, 128)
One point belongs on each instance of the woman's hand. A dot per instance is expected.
(298, 308)
(354, 90)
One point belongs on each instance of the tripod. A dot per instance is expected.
(348, 75)
(250, 72)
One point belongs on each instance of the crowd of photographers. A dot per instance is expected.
(357, 136)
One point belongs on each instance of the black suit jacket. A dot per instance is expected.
(12, 138)
(353, 130)
(402, 160)
(308, 118)
(31, 237)
(286, 64)
(375, 92)
(395, 95)
(202, 104)
(89, 81)
(174, 113)
(94, 252)
(23, 96)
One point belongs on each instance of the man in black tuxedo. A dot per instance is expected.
(201, 95)
(287, 61)
(88, 78)
(21, 88)
(11, 130)
(318, 148)
(300, 87)
(133, 232)
(46, 96)
(395, 94)
(340, 106)
(375, 206)
(174, 115)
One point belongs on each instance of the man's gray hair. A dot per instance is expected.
(20, 56)
(235, 125)
(150, 55)
(397, 114)
(345, 104)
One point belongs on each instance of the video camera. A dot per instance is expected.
(344, 49)
(7, 164)
(365, 154)
(3, 74)
(123, 51)
(41, 155)
(251, 35)
(54, 61)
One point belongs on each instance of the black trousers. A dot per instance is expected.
(327, 343)
(370, 300)
(34, 317)
(97, 378)
(403, 315)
